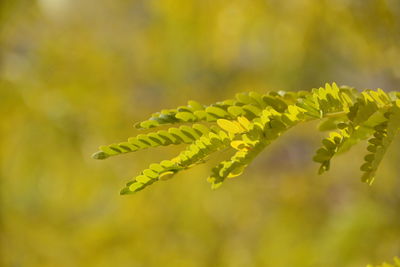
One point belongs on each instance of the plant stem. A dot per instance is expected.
(335, 114)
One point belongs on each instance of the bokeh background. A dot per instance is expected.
(76, 74)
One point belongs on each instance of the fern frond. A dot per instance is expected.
(175, 136)
(251, 121)
(331, 146)
(235, 166)
(382, 138)
(194, 154)
(245, 104)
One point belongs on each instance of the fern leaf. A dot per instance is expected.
(378, 145)
(251, 121)
(246, 104)
(176, 136)
(331, 146)
(194, 154)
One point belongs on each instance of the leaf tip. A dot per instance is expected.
(125, 191)
(100, 155)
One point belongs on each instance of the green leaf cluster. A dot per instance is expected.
(250, 122)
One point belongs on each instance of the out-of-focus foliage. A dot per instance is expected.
(74, 73)
(251, 122)
(396, 264)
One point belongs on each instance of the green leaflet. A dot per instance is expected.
(232, 127)
(251, 121)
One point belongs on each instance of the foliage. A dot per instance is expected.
(396, 264)
(75, 74)
(250, 122)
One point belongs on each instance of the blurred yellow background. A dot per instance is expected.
(76, 74)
